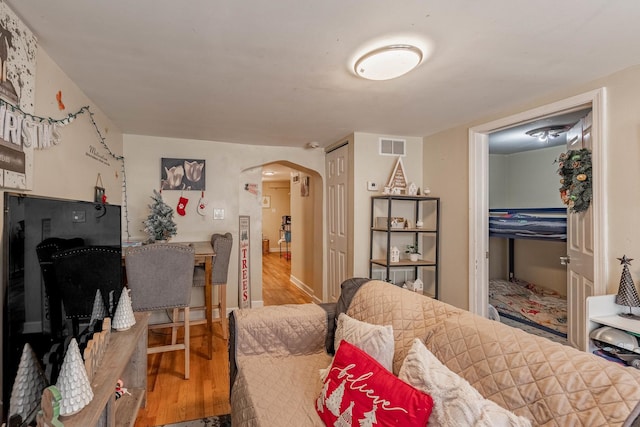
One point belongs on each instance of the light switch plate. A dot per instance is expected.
(218, 214)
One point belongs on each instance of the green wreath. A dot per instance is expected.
(574, 167)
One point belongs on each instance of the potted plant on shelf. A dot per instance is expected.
(413, 252)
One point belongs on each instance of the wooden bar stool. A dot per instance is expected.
(222, 244)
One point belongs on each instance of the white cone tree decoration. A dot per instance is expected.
(73, 382)
(124, 319)
(98, 312)
(28, 386)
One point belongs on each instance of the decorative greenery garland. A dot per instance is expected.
(574, 167)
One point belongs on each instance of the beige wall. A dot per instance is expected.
(369, 165)
(306, 215)
(228, 168)
(525, 180)
(446, 171)
(65, 170)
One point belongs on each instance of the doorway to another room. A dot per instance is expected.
(283, 234)
(528, 224)
(584, 234)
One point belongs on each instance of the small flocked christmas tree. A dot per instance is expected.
(159, 225)
(627, 294)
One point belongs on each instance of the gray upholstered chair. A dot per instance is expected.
(160, 277)
(222, 244)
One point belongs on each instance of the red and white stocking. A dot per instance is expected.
(182, 204)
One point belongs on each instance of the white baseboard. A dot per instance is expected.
(306, 289)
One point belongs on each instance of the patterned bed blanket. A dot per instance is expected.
(530, 302)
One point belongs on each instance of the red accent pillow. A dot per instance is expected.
(359, 391)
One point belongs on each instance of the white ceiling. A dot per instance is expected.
(516, 140)
(278, 72)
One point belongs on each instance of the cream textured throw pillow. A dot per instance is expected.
(455, 401)
(377, 341)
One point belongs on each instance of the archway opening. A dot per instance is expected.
(289, 225)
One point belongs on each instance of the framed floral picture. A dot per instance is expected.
(182, 174)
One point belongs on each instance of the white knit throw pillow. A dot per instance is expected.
(376, 340)
(455, 401)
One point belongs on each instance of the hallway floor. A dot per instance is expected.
(277, 289)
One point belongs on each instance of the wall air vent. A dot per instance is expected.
(392, 147)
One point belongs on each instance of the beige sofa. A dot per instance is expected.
(276, 353)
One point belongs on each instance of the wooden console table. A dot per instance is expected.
(126, 359)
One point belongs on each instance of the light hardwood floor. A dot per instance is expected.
(170, 397)
(276, 287)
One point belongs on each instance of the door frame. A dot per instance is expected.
(479, 192)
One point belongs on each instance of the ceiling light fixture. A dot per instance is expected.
(268, 173)
(548, 132)
(388, 62)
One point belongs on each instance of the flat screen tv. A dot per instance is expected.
(26, 315)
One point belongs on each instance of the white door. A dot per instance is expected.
(337, 163)
(580, 251)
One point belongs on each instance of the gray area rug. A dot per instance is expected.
(221, 421)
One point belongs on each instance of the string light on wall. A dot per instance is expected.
(29, 120)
